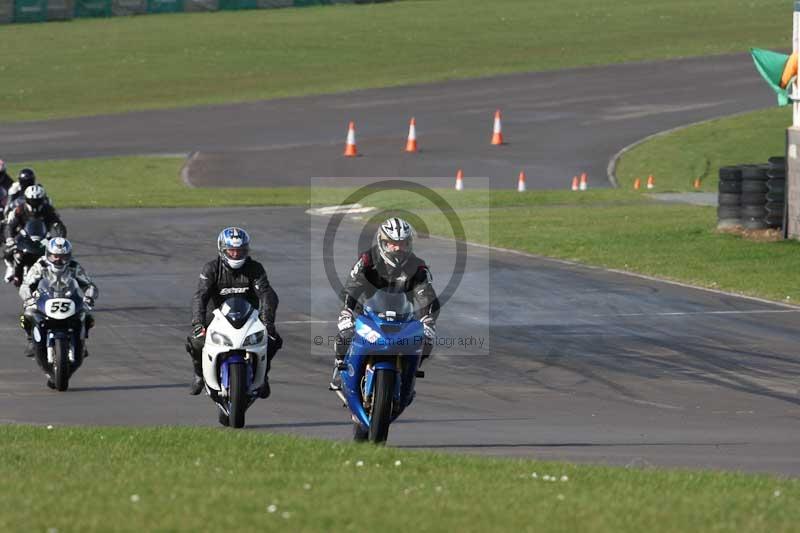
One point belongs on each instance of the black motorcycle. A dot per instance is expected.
(59, 329)
(29, 246)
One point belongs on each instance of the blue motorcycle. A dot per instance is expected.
(381, 365)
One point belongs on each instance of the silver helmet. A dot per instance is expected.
(395, 239)
(58, 254)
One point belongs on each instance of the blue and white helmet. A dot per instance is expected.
(395, 239)
(233, 245)
(58, 254)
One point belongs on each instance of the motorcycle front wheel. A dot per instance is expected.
(61, 369)
(238, 394)
(381, 406)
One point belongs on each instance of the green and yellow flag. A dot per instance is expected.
(777, 69)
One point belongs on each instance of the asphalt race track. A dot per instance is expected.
(583, 364)
(556, 124)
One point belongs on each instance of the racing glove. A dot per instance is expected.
(346, 320)
(428, 327)
(89, 301)
(198, 330)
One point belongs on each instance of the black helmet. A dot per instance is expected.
(26, 178)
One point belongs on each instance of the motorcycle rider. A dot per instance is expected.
(29, 245)
(34, 206)
(16, 192)
(232, 272)
(6, 181)
(389, 264)
(57, 260)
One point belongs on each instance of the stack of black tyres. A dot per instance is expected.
(776, 191)
(729, 212)
(754, 196)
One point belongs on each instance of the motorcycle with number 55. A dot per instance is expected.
(59, 328)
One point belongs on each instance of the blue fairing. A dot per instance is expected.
(384, 342)
(225, 373)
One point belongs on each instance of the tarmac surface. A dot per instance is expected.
(557, 124)
(577, 363)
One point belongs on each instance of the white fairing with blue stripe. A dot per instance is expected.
(234, 332)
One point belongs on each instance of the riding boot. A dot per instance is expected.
(197, 381)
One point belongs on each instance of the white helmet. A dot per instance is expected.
(58, 254)
(395, 240)
(35, 198)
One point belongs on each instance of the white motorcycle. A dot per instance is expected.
(234, 359)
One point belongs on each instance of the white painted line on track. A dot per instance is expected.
(347, 209)
(699, 313)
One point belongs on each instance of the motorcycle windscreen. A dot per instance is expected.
(237, 311)
(35, 229)
(390, 306)
(59, 285)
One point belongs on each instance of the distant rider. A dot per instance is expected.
(34, 206)
(233, 272)
(57, 261)
(16, 193)
(6, 181)
(390, 264)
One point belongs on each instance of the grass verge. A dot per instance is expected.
(610, 228)
(628, 232)
(93, 66)
(678, 158)
(176, 479)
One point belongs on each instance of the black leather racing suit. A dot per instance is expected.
(21, 214)
(6, 181)
(371, 273)
(217, 282)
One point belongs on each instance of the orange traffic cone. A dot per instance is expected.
(350, 146)
(497, 135)
(521, 182)
(584, 185)
(651, 183)
(411, 144)
(574, 183)
(637, 184)
(459, 180)
(697, 183)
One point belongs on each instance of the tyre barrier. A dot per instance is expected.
(752, 195)
(729, 213)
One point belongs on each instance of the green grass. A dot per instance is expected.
(678, 158)
(180, 479)
(121, 64)
(611, 228)
(631, 233)
(144, 182)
